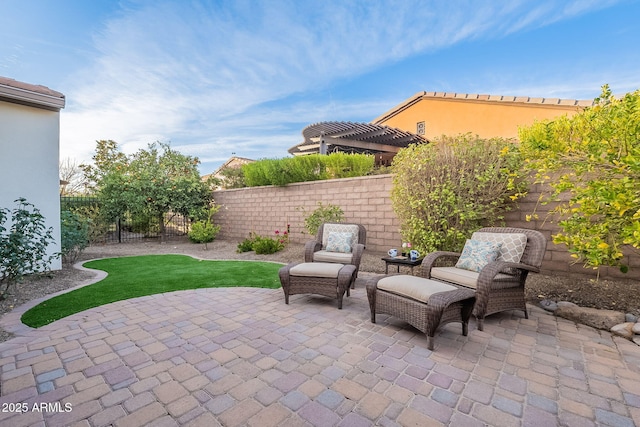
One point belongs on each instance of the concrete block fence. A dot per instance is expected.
(366, 200)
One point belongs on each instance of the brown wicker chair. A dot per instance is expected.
(499, 285)
(316, 250)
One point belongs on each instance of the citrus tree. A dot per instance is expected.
(148, 183)
(593, 158)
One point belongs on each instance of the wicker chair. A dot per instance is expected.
(317, 250)
(500, 284)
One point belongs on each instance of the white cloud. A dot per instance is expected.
(208, 75)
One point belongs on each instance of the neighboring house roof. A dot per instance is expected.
(233, 162)
(358, 137)
(32, 95)
(480, 98)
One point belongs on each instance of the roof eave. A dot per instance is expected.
(33, 99)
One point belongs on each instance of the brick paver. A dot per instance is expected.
(238, 356)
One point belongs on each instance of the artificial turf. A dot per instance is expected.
(137, 276)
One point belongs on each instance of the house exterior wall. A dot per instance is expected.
(366, 200)
(485, 117)
(29, 144)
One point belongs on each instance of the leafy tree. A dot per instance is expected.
(149, 183)
(23, 246)
(445, 190)
(594, 158)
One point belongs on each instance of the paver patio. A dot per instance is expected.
(240, 356)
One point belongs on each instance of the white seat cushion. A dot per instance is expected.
(316, 269)
(413, 287)
(463, 277)
(326, 256)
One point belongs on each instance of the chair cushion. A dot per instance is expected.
(326, 256)
(339, 228)
(339, 242)
(316, 269)
(468, 278)
(513, 244)
(413, 287)
(476, 254)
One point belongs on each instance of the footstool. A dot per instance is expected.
(423, 303)
(322, 278)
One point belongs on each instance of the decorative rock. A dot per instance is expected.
(624, 330)
(636, 328)
(599, 319)
(548, 305)
(636, 339)
(566, 304)
(630, 318)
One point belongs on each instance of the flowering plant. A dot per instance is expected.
(284, 239)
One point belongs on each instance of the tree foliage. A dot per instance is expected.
(594, 157)
(148, 183)
(23, 245)
(445, 190)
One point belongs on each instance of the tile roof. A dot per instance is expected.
(483, 98)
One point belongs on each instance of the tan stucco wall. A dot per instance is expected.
(451, 116)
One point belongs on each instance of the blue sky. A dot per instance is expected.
(215, 78)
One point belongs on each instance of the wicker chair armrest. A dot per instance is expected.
(356, 256)
(310, 248)
(429, 261)
(491, 270)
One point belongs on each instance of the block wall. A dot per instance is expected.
(366, 200)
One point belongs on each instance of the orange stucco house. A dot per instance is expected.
(432, 114)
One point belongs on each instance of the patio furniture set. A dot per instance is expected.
(487, 277)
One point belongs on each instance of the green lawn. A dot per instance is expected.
(131, 277)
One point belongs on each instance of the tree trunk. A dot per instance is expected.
(162, 229)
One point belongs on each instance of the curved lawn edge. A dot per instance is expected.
(122, 278)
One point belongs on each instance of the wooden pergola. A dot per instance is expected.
(328, 137)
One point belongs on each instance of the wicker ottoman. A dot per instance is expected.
(423, 303)
(322, 278)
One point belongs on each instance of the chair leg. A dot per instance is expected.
(480, 323)
(430, 342)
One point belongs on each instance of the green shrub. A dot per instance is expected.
(313, 167)
(246, 245)
(445, 190)
(267, 245)
(344, 165)
(203, 230)
(320, 215)
(23, 246)
(74, 235)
